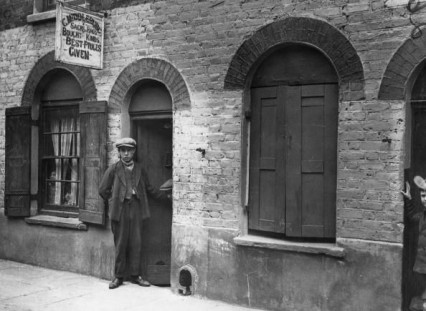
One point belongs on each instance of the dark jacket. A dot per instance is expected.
(113, 189)
(418, 216)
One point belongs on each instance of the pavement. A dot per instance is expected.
(29, 288)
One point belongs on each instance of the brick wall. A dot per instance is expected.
(369, 170)
(200, 38)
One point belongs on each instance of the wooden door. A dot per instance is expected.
(293, 160)
(154, 151)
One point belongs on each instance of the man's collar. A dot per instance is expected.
(129, 164)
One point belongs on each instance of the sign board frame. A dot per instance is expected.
(79, 37)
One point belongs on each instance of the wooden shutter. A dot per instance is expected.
(267, 175)
(311, 166)
(293, 163)
(93, 133)
(18, 161)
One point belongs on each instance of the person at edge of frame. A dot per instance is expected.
(125, 185)
(414, 214)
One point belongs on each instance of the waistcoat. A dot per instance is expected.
(130, 183)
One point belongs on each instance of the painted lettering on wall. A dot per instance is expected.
(79, 36)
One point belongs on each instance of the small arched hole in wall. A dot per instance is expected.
(188, 280)
(185, 280)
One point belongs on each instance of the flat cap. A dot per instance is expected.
(126, 142)
(420, 182)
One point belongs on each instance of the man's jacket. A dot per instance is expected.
(415, 215)
(113, 189)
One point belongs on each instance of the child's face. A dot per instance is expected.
(423, 198)
(126, 153)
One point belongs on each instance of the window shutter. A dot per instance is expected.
(18, 161)
(267, 175)
(311, 165)
(93, 132)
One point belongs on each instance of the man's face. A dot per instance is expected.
(126, 153)
(423, 198)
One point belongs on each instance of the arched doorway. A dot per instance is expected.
(293, 144)
(413, 284)
(150, 113)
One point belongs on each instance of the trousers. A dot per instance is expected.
(128, 239)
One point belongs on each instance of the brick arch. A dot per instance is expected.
(48, 63)
(402, 70)
(148, 68)
(316, 33)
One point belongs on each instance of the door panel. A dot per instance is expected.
(154, 139)
(312, 115)
(312, 205)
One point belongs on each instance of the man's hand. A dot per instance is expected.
(407, 193)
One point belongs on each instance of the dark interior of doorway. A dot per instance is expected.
(154, 139)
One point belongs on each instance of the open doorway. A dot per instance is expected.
(151, 127)
(412, 283)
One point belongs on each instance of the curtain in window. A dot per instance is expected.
(68, 125)
(54, 124)
(64, 145)
(74, 163)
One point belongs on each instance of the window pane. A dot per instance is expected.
(62, 181)
(49, 5)
(48, 149)
(53, 193)
(57, 144)
(60, 162)
(62, 193)
(70, 194)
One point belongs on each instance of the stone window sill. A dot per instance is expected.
(55, 221)
(329, 249)
(42, 16)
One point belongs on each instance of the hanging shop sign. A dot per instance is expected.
(79, 38)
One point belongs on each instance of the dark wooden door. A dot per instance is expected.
(293, 160)
(154, 151)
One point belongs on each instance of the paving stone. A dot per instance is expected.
(50, 290)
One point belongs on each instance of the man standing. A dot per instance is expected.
(125, 185)
(418, 215)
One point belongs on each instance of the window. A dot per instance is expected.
(293, 145)
(49, 5)
(44, 10)
(56, 152)
(60, 157)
